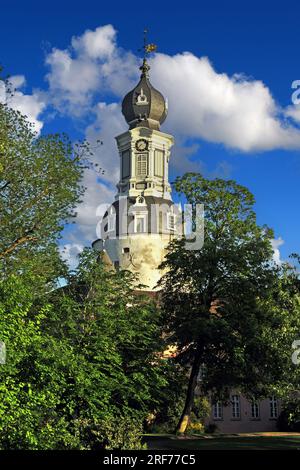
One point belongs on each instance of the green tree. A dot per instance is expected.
(39, 186)
(218, 302)
(83, 368)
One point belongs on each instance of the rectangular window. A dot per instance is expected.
(159, 163)
(217, 410)
(255, 409)
(171, 222)
(140, 223)
(126, 164)
(273, 408)
(111, 222)
(236, 408)
(141, 165)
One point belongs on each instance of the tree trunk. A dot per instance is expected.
(185, 417)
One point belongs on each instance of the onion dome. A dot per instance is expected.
(144, 106)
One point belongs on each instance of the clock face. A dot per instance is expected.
(141, 145)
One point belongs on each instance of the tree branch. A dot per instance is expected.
(16, 243)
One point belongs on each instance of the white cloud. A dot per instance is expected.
(30, 105)
(92, 65)
(235, 111)
(88, 213)
(108, 123)
(97, 44)
(69, 253)
(276, 243)
(293, 112)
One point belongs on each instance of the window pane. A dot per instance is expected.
(140, 224)
(235, 401)
(254, 409)
(217, 410)
(141, 165)
(273, 407)
(159, 163)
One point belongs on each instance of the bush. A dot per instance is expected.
(211, 428)
(118, 433)
(289, 418)
(195, 427)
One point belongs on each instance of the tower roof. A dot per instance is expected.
(144, 106)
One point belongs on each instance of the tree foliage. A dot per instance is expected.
(219, 302)
(39, 185)
(83, 369)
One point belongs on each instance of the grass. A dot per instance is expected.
(258, 441)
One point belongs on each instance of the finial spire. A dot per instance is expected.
(147, 49)
(144, 106)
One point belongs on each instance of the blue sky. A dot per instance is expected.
(258, 41)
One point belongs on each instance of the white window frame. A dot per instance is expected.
(235, 407)
(273, 407)
(141, 169)
(255, 409)
(217, 409)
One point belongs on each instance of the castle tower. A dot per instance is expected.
(142, 220)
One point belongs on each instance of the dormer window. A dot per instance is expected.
(141, 98)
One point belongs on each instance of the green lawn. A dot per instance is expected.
(224, 442)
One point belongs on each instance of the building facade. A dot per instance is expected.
(244, 416)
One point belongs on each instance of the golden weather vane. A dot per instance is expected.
(147, 47)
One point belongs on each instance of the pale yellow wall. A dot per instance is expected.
(147, 252)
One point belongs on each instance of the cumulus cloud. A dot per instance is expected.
(92, 207)
(108, 123)
(276, 244)
(293, 112)
(92, 66)
(97, 44)
(235, 111)
(31, 106)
